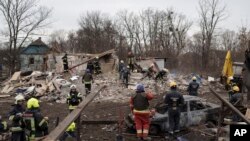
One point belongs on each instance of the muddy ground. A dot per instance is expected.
(98, 110)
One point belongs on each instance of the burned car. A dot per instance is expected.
(195, 111)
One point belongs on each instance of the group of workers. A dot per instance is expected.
(93, 66)
(27, 123)
(139, 104)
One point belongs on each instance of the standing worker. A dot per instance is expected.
(65, 62)
(193, 87)
(97, 66)
(35, 124)
(16, 118)
(174, 100)
(87, 80)
(131, 60)
(237, 101)
(126, 73)
(90, 66)
(74, 98)
(139, 104)
(121, 66)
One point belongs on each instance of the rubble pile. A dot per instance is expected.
(34, 83)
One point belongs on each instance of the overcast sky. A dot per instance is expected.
(67, 12)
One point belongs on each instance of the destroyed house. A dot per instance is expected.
(34, 56)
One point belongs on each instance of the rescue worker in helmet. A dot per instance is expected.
(121, 66)
(126, 74)
(70, 132)
(90, 66)
(36, 125)
(97, 67)
(193, 87)
(16, 118)
(150, 72)
(160, 75)
(74, 98)
(65, 62)
(236, 100)
(131, 60)
(174, 101)
(139, 104)
(87, 80)
(230, 86)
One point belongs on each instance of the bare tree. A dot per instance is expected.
(22, 17)
(229, 40)
(211, 13)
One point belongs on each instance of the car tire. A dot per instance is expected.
(154, 129)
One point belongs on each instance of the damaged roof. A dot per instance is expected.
(36, 47)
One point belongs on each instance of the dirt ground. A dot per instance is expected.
(98, 110)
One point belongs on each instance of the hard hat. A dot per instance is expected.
(152, 65)
(73, 87)
(71, 127)
(231, 78)
(236, 88)
(140, 88)
(32, 103)
(19, 98)
(166, 70)
(194, 78)
(128, 67)
(122, 61)
(97, 57)
(172, 84)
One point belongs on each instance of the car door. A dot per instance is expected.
(196, 112)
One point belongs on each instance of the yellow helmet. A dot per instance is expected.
(172, 84)
(32, 103)
(194, 78)
(71, 127)
(236, 88)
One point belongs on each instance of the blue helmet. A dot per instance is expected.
(87, 70)
(139, 88)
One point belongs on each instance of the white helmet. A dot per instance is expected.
(152, 65)
(19, 98)
(231, 78)
(97, 57)
(122, 61)
(73, 87)
(166, 70)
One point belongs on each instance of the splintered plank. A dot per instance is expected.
(248, 113)
(15, 76)
(60, 129)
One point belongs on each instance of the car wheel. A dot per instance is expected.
(154, 129)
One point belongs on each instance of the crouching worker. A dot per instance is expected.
(35, 124)
(74, 98)
(139, 103)
(16, 118)
(70, 132)
(237, 101)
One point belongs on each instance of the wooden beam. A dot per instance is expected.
(229, 105)
(60, 129)
(100, 55)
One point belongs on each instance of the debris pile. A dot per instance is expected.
(34, 83)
